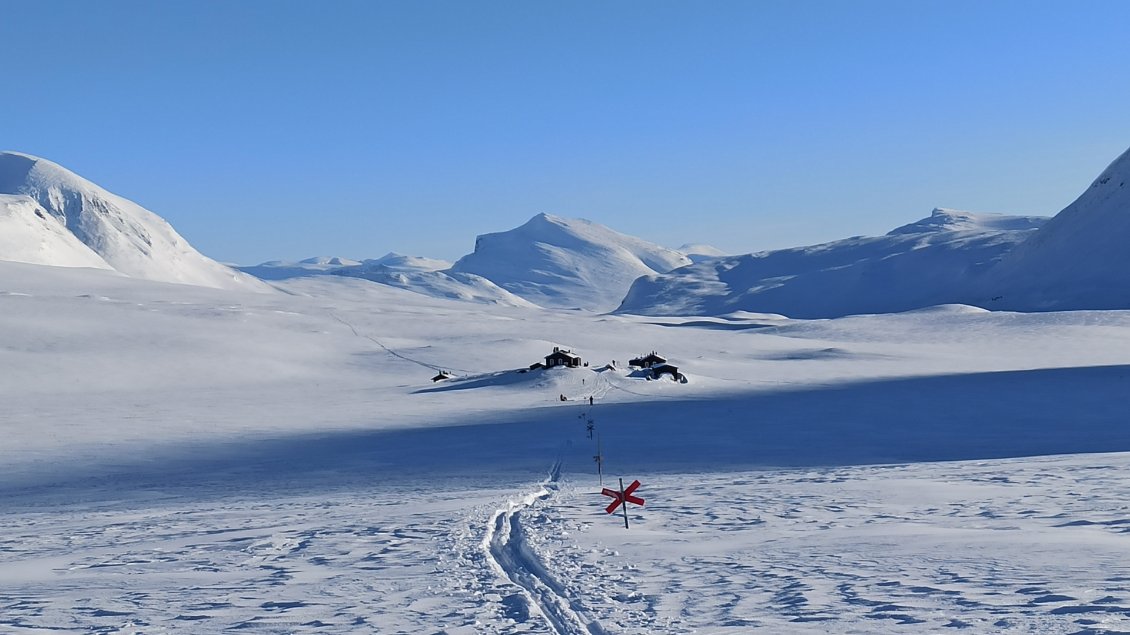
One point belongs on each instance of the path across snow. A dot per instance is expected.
(512, 558)
(1002, 546)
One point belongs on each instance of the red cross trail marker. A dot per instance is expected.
(622, 497)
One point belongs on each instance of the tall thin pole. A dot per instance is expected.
(624, 503)
(599, 460)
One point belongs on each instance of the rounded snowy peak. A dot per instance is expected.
(567, 262)
(128, 237)
(547, 227)
(950, 220)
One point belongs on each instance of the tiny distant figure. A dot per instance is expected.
(590, 400)
(563, 398)
(582, 381)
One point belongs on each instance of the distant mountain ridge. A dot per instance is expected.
(929, 262)
(1076, 260)
(120, 233)
(549, 261)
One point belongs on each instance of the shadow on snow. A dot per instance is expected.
(906, 420)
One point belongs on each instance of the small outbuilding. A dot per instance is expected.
(648, 361)
(561, 357)
(659, 370)
(443, 375)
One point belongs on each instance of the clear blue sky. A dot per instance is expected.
(284, 129)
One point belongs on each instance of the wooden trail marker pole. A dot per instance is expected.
(622, 497)
(599, 458)
(624, 505)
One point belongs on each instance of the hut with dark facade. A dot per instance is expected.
(648, 361)
(658, 370)
(562, 357)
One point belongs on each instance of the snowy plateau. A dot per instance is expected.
(190, 448)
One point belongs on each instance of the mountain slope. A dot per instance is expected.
(126, 236)
(1078, 260)
(452, 285)
(921, 264)
(566, 263)
(28, 233)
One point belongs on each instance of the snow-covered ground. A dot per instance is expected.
(184, 459)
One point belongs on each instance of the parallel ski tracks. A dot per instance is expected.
(512, 558)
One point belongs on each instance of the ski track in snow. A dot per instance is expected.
(394, 352)
(512, 558)
(1014, 546)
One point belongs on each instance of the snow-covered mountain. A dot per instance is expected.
(698, 252)
(285, 270)
(566, 263)
(549, 261)
(452, 285)
(422, 275)
(932, 261)
(118, 233)
(393, 261)
(29, 233)
(319, 265)
(1078, 260)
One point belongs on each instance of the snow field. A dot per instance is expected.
(178, 459)
(1009, 546)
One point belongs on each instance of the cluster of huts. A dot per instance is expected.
(653, 363)
(656, 364)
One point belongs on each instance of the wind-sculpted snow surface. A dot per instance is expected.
(126, 236)
(933, 261)
(567, 263)
(1015, 546)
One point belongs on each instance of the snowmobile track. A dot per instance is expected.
(512, 558)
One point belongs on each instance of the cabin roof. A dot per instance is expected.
(568, 354)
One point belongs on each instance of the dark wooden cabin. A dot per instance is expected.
(561, 357)
(648, 361)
